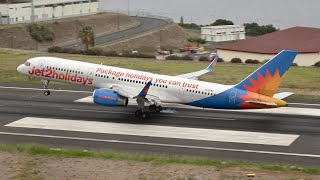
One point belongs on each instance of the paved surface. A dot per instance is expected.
(146, 24)
(26, 116)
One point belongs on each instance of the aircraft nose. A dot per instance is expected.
(19, 68)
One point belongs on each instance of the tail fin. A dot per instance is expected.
(267, 79)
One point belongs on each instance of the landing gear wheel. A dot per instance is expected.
(158, 108)
(46, 93)
(138, 113)
(144, 116)
(152, 107)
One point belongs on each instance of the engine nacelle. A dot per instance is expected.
(107, 98)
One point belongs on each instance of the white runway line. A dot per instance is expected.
(88, 99)
(157, 131)
(304, 104)
(163, 145)
(281, 110)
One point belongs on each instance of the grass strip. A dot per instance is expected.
(158, 159)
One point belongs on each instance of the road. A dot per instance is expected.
(26, 116)
(146, 24)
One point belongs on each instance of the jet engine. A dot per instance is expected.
(108, 98)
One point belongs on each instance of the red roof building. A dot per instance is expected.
(302, 39)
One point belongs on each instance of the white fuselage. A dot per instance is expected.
(166, 88)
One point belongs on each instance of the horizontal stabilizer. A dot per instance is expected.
(282, 95)
(262, 103)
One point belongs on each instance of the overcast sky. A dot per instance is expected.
(281, 13)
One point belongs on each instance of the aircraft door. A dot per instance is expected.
(90, 73)
(181, 91)
(41, 64)
(232, 97)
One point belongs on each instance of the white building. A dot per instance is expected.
(19, 11)
(222, 33)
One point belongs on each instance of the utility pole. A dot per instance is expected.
(128, 7)
(12, 39)
(160, 38)
(118, 20)
(32, 11)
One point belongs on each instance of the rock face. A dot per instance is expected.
(17, 36)
(172, 35)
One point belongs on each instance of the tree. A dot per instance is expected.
(254, 29)
(221, 22)
(196, 40)
(181, 20)
(189, 25)
(87, 36)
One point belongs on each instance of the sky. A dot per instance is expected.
(281, 13)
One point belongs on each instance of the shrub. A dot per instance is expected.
(55, 49)
(187, 58)
(294, 64)
(173, 57)
(111, 53)
(263, 62)
(317, 64)
(167, 47)
(146, 50)
(252, 61)
(236, 60)
(93, 52)
(40, 33)
(204, 58)
(71, 51)
(220, 60)
(97, 52)
(138, 55)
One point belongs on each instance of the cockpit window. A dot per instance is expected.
(27, 63)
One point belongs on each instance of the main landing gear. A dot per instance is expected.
(46, 84)
(155, 108)
(141, 112)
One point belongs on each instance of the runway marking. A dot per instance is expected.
(156, 131)
(88, 99)
(88, 110)
(37, 89)
(163, 145)
(31, 97)
(305, 104)
(281, 110)
(164, 114)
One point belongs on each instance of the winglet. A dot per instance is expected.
(212, 64)
(145, 90)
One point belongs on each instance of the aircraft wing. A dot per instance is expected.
(126, 91)
(123, 90)
(195, 75)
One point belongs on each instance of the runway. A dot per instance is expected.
(60, 120)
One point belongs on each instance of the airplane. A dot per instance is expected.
(115, 86)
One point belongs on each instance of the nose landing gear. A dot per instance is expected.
(46, 84)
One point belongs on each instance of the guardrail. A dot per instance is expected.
(142, 14)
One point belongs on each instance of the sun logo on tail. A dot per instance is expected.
(264, 85)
